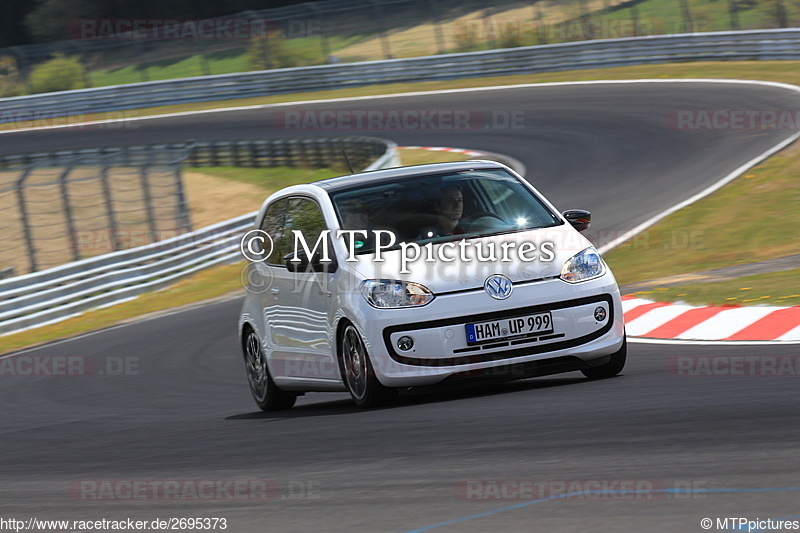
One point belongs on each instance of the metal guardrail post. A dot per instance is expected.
(213, 156)
(73, 237)
(26, 228)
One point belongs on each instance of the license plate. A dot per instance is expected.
(521, 326)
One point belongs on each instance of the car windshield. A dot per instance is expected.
(441, 207)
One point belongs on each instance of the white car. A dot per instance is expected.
(397, 278)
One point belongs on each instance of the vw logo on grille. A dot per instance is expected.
(498, 286)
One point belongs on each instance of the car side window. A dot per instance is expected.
(305, 216)
(273, 225)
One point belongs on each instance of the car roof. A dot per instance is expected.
(375, 177)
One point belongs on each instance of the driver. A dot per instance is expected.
(449, 209)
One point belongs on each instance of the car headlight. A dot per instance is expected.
(390, 293)
(583, 266)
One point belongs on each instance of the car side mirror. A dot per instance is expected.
(579, 218)
(315, 265)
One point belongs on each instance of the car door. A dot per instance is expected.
(297, 304)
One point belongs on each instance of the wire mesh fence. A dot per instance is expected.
(105, 52)
(60, 207)
(69, 207)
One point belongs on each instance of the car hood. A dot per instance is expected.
(553, 246)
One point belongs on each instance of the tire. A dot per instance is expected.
(358, 373)
(613, 367)
(266, 394)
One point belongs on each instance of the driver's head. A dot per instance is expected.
(451, 204)
(355, 215)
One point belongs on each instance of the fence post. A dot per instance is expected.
(733, 12)
(23, 67)
(542, 37)
(26, 227)
(437, 26)
(112, 218)
(376, 8)
(688, 23)
(62, 182)
(202, 48)
(139, 47)
(781, 18)
(80, 48)
(323, 35)
(184, 223)
(588, 32)
(148, 199)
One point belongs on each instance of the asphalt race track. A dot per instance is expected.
(673, 440)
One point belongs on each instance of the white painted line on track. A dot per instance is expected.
(406, 95)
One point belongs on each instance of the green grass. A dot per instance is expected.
(666, 16)
(774, 288)
(269, 179)
(754, 218)
(165, 70)
(300, 52)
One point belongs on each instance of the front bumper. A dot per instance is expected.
(440, 344)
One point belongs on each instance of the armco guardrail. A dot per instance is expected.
(714, 46)
(57, 293)
(60, 292)
(289, 152)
